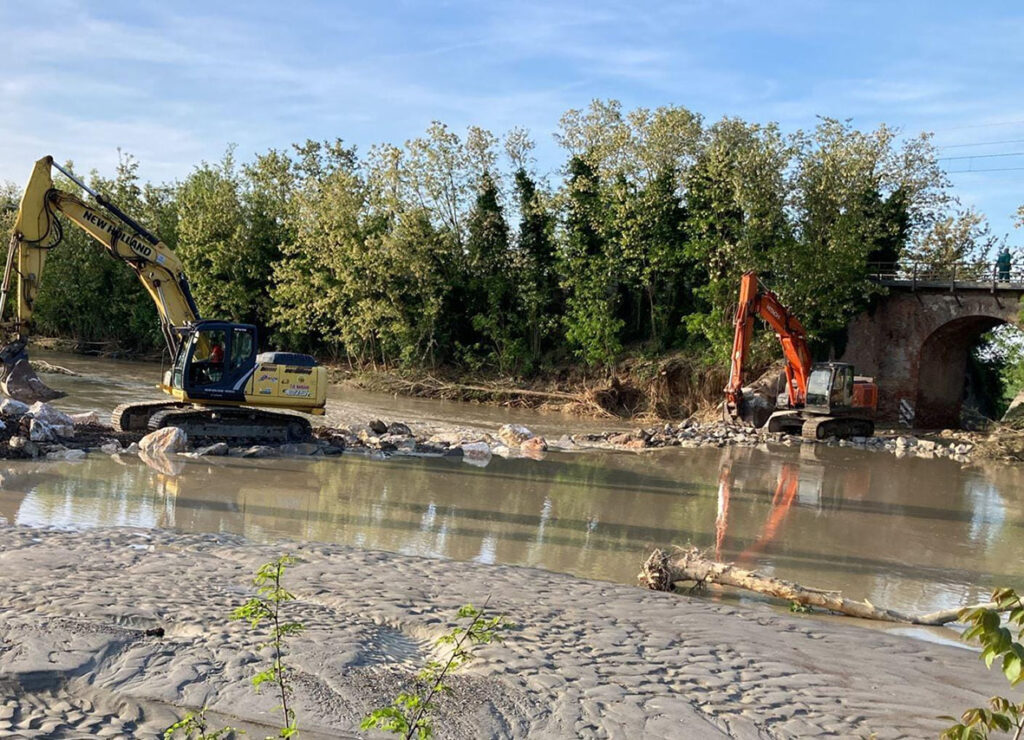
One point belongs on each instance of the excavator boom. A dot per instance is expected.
(37, 230)
(756, 301)
(222, 387)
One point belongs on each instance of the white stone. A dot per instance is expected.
(61, 423)
(111, 448)
(10, 407)
(514, 435)
(166, 440)
(87, 417)
(40, 431)
(477, 450)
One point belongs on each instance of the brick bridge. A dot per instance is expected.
(916, 339)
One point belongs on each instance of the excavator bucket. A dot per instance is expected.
(17, 378)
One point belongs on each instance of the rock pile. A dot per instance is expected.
(42, 431)
(719, 434)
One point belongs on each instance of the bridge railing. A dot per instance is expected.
(973, 274)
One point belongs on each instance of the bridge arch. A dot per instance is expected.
(916, 339)
(942, 368)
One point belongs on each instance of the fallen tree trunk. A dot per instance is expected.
(663, 570)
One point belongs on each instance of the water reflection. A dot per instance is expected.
(911, 534)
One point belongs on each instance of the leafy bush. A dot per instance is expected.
(998, 643)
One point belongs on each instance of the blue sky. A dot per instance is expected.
(174, 82)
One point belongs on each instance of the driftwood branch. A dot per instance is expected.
(663, 570)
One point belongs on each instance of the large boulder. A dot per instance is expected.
(215, 450)
(514, 435)
(476, 453)
(48, 423)
(164, 441)
(1014, 415)
(85, 418)
(760, 398)
(534, 445)
(11, 407)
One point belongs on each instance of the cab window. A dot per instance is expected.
(817, 386)
(241, 349)
(843, 385)
(208, 357)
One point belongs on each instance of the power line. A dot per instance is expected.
(987, 169)
(981, 143)
(982, 156)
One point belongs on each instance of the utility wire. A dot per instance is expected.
(982, 156)
(980, 143)
(987, 169)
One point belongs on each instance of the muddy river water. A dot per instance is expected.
(910, 534)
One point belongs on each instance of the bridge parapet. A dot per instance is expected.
(953, 276)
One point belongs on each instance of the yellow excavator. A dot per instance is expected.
(222, 389)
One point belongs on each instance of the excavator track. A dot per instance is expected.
(232, 424)
(134, 417)
(839, 427)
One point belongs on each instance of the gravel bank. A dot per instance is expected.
(590, 659)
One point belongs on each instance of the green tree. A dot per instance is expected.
(848, 212)
(323, 273)
(537, 269)
(591, 323)
(962, 240)
(492, 282)
(650, 240)
(736, 220)
(212, 241)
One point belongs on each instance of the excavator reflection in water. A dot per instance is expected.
(797, 483)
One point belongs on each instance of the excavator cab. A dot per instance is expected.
(830, 387)
(215, 360)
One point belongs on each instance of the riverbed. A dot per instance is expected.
(99, 551)
(912, 534)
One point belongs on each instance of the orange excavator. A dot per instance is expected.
(824, 399)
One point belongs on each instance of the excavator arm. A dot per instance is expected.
(757, 301)
(37, 230)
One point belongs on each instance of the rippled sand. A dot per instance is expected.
(590, 659)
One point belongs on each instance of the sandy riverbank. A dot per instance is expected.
(590, 659)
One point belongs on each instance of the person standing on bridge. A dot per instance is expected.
(1003, 264)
